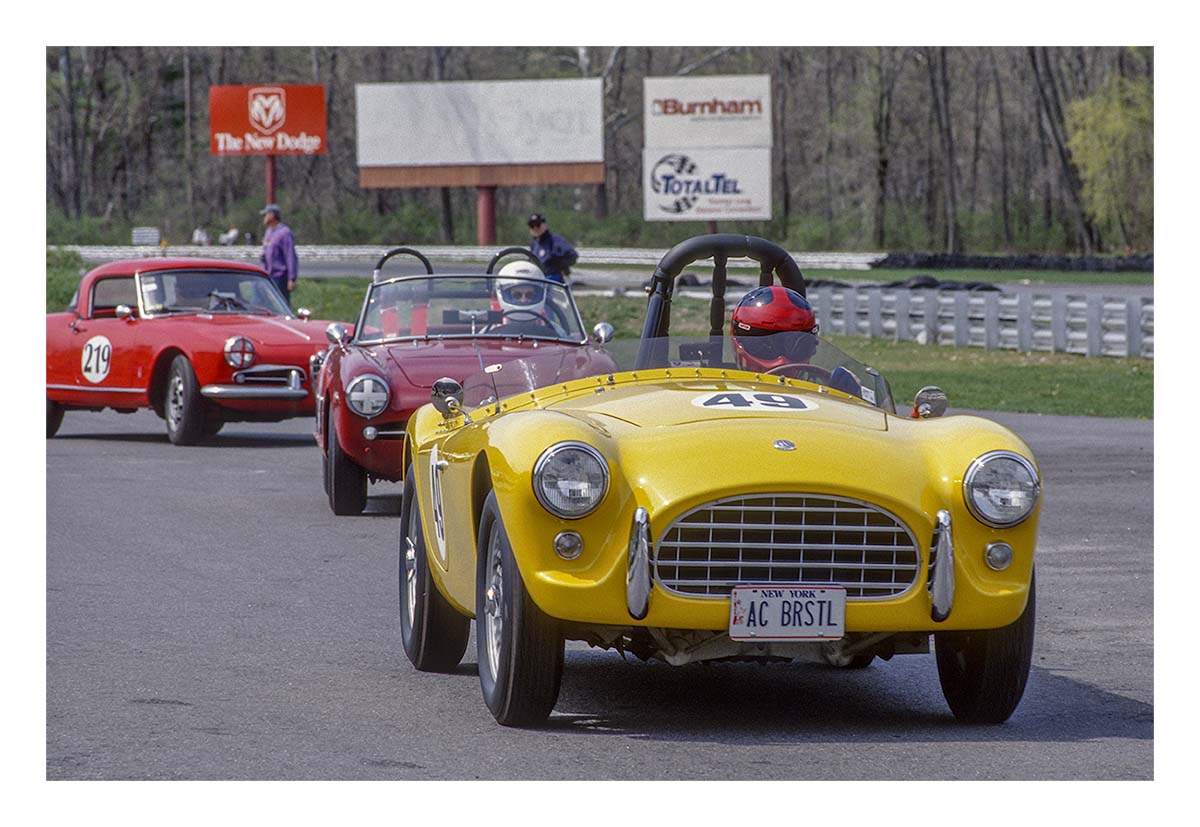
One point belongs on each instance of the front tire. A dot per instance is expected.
(983, 673)
(184, 406)
(520, 649)
(54, 418)
(434, 635)
(214, 421)
(347, 481)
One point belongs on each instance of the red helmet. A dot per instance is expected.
(760, 316)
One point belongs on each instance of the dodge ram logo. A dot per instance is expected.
(267, 108)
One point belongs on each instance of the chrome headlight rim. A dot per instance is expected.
(358, 380)
(978, 465)
(549, 454)
(243, 357)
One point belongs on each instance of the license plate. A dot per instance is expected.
(787, 613)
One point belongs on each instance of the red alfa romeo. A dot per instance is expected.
(416, 329)
(202, 342)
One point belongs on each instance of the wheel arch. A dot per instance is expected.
(158, 377)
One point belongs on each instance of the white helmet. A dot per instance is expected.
(519, 293)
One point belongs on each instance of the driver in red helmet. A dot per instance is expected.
(772, 327)
(775, 327)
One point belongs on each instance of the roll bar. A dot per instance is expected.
(399, 251)
(774, 262)
(509, 251)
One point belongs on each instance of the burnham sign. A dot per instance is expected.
(267, 120)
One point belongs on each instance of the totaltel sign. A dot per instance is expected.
(266, 120)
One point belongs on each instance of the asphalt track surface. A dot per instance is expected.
(209, 618)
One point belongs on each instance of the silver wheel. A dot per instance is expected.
(410, 568)
(175, 401)
(493, 620)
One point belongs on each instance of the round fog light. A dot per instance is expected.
(998, 556)
(568, 545)
(370, 432)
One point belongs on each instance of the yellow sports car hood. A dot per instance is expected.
(679, 403)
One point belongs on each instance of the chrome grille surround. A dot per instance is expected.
(788, 538)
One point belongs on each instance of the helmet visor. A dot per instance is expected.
(793, 345)
(523, 294)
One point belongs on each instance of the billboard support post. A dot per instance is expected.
(485, 210)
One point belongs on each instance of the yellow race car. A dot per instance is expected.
(684, 508)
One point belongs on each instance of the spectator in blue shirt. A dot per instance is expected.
(553, 251)
(279, 251)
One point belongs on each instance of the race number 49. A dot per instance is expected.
(96, 359)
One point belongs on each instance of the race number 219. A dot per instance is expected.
(97, 359)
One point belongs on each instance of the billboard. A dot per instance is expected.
(471, 123)
(706, 184)
(707, 154)
(719, 110)
(267, 120)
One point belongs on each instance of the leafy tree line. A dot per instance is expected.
(984, 150)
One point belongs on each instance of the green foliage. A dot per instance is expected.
(63, 271)
(1112, 142)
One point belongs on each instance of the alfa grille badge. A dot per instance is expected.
(785, 445)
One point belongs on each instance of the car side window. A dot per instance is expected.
(108, 293)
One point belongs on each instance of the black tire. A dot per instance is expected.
(347, 481)
(520, 649)
(325, 454)
(214, 421)
(434, 634)
(183, 404)
(54, 418)
(983, 673)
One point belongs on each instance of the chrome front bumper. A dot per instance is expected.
(266, 382)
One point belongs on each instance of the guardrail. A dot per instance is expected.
(1092, 325)
(589, 256)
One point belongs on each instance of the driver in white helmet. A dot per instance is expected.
(522, 300)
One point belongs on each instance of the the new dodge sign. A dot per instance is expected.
(267, 120)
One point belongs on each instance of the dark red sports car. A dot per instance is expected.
(201, 341)
(416, 329)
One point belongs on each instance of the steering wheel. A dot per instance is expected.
(801, 370)
(519, 316)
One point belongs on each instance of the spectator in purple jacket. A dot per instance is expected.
(279, 251)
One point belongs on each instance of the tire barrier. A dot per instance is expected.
(949, 261)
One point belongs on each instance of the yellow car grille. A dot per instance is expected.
(787, 539)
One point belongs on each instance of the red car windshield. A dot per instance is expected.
(210, 291)
(469, 306)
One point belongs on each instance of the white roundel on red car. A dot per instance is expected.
(96, 359)
(753, 401)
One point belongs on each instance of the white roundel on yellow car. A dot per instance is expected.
(96, 359)
(756, 401)
(435, 490)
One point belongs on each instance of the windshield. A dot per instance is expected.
(421, 307)
(210, 291)
(794, 355)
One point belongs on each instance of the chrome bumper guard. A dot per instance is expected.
(941, 585)
(638, 582)
(283, 385)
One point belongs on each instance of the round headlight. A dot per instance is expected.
(239, 352)
(1001, 488)
(367, 395)
(570, 479)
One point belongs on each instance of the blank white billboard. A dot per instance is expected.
(480, 122)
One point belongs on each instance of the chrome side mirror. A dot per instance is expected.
(303, 313)
(930, 401)
(123, 311)
(446, 396)
(602, 333)
(337, 334)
